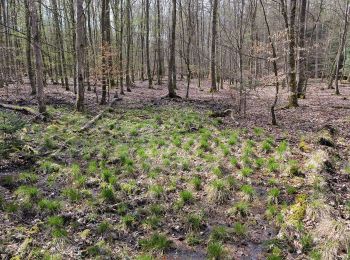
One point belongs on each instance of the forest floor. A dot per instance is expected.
(159, 178)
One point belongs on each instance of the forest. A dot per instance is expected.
(174, 129)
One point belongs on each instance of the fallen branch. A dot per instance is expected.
(96, 118)
(341, 107)
(24, 110)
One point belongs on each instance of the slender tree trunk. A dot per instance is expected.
(29, 51)
(80, 40)
(188, 49)
(213, 47)
(341, 47)
(121, 69)
(302, 53)
(106, 40)
(274, 63)
(128, 45)
(142, 42)
(149, 74)
(171, 65)
(38, 57)
(293, 96)
(59, 39)
(73, 49)
(159, 46)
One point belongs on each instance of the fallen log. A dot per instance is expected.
(24, 110)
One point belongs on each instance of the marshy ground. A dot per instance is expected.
(161, 179)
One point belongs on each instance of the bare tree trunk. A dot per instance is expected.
(302, 53)
(213, 47)
(341, 47)
(80, 40)
(188, 49)
(171, 65)
(59, 39)
(106, 41)
(159, 46)
(29, 51)
(275, 70)
(293, 96)
(38, 57)
(121, 77)
(73, 50)
(149, 75)
(128, 45)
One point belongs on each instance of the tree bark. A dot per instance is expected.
(149, 75)
(341, 47)
(29, 51)
(159, 46)
(171, 65)
(80, 40)
(106, 40)
(59, 39)
(293, 95)
(213, 47)
(128, 46)
(38, 57)
(302, 53)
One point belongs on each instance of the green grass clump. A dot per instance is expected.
(196, 182)
(294, 169)
(186, 196)
(49, 205)
(233, 140)
(219, 233)
(347, 169)
(239, 229)
(129, 187)
(145, 257)
(217, 171)
(282, 147)
(156, 242)
(306, 242)
(218, 192)
(248, 192)
(215, 250)
(156, 190)
(72, 194)
(259, 162)
(241, 208)
(273, 195)
(246, 171)
(75, 169)
(272, 164)
(234, 161)
(103, 227)
(107, 194)
(49, 167)
(127, 221)
(186, 165)
(92, 167)
(153, 222)
(156, 209)
(194, 222)
(28, 177)
(56, 223)
(193, 239)
(258, 131)
(267, 144)
(27, 193)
